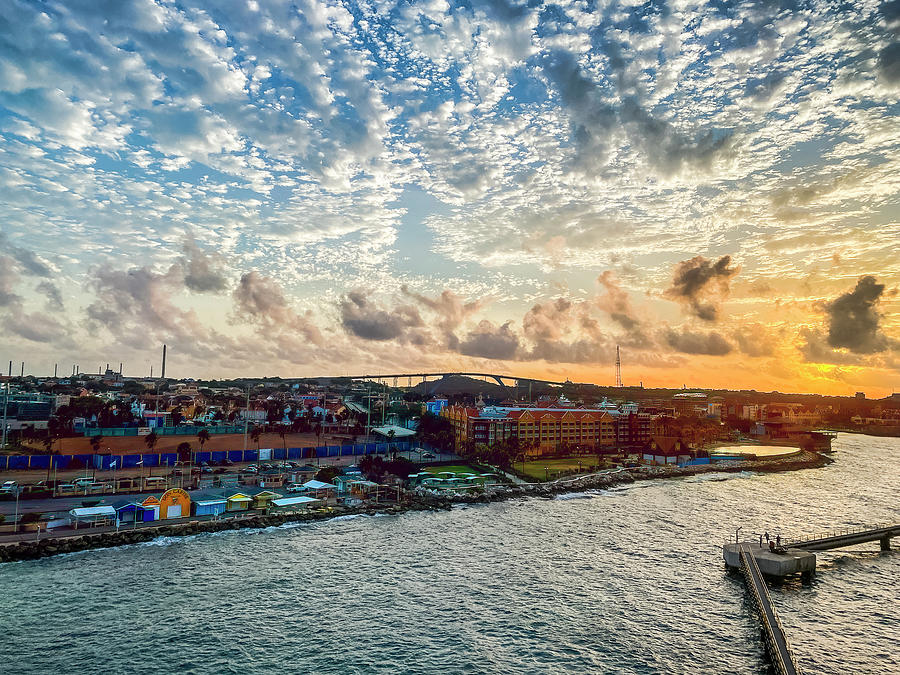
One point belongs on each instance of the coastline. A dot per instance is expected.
(26, 550)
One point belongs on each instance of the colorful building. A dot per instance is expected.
(174, 503)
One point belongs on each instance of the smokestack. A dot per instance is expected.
(107, 367)
(55, 365)
(22, 374)
(120, 367)
(10, 369)
(73, 370)
(163, 375)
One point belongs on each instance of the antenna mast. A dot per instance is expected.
(618, 368)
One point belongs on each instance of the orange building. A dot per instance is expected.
(539, 430)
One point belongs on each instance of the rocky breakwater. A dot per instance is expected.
(422, 501)
(607, 479)
(32, 550)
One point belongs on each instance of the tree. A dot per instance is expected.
(202, 437)
(282, 431)
(150, 440)
(255, 433)
(184, 451)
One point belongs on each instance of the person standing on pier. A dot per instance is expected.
(767, 536)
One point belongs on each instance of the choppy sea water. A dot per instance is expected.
(629, 580)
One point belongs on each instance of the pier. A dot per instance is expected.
(847, 537)
(776, 641)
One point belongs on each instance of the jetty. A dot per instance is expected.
(795, 556)
(776, 641)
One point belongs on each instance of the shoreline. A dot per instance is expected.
(27, 550)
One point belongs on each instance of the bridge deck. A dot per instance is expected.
(847, 537)
(779, 649)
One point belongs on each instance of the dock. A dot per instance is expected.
(776, 641)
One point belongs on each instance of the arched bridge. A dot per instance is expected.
(501, 379)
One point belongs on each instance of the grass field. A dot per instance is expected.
(542, 468)
(456, 468)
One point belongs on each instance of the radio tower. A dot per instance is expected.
(618, 368)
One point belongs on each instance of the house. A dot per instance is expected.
(209, 504)
(262, 499)
(151, 508)
(237, 501)
(174, 503)
(134, 512)
(666, 450)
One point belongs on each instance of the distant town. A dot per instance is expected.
(102, 450)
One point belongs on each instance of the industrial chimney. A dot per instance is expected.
(163, 376)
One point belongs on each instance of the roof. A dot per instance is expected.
(294, 501)
(89, 511)
(318, 485)
(399, 432)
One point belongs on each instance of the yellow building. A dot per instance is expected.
(174, 503)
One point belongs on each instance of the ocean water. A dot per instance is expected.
(628, 580)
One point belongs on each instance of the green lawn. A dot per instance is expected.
(458, 468)
(538, 468)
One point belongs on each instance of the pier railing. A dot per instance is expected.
(840, 532)
(776, 640)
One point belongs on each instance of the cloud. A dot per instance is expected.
(700, 285)
(450, 309)
(692, 342)
(53, 295)
(260, 299)
(853, 319)
(364, 319)
(489, 341)
(889, 63)
(754, 340)
(202, 269)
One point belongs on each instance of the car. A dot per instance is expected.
(10, 487)
(295, 487)
(428, 455)
(227, 462)
(251, 469)
(83, 482)
(206, 469)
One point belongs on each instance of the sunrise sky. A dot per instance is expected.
(324, 188)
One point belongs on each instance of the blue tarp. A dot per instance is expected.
(40, 462)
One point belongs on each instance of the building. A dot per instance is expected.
(633, 429)
(666, 450)
(539, 431)
(174, 503)
(435, 405)
(690, 404)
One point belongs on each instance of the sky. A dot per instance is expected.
(342, 188)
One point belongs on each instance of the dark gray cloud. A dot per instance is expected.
(449, 307)
(889, 63)
(701, 284)
(260, 299)
(8, 280)
(53, 295)
(764, 89)
(490, 341)
(691, 342)
(364, 319)
(202, 269)
(26, 261)
(854, 319)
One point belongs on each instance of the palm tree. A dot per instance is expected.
(95, 446)
(282, 431)
(255, 433)
(202, 437)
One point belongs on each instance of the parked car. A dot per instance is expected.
(428, 455)
(227, 462)
(295, 487)
(83, 482)
(10, 487)
(251, 469)
(206, 469)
